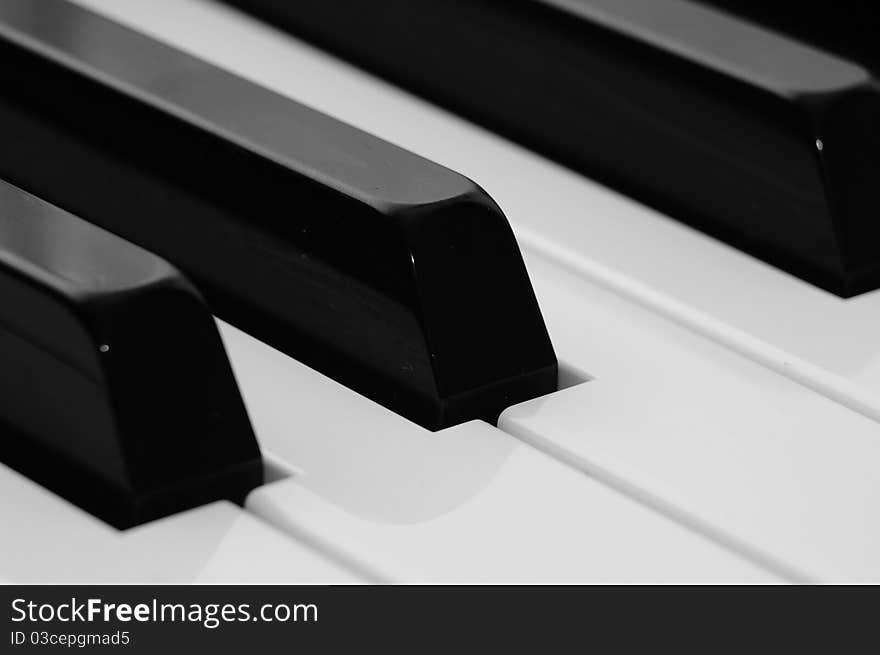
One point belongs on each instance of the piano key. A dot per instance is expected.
(617, 243)
(392, 274)
(745, 133)
(47, 540)
(116, 391)
(719, 443)
(469, 504)
(845, 28)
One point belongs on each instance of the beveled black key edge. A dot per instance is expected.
(85, 296)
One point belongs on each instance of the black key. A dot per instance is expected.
(847, 27)
(387, 272)
(742, 132)
(115, 390)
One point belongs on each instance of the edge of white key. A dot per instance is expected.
(47, 539)
(797, 493)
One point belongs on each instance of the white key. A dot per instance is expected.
(467, 504)
(811, 336)
(718, 442)
(48, 540)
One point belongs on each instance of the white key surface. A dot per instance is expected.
(712, 439)
(48, 540)
(467, 504)
(807, 334)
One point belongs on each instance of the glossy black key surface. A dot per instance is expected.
(383, 270)
(846, 27)
(747, 134)
(115, 390)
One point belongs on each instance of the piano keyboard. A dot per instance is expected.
(716, 418)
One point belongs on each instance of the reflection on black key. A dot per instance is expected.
(760, 140)
(846, 27)
(383, 270)
(115, 390)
